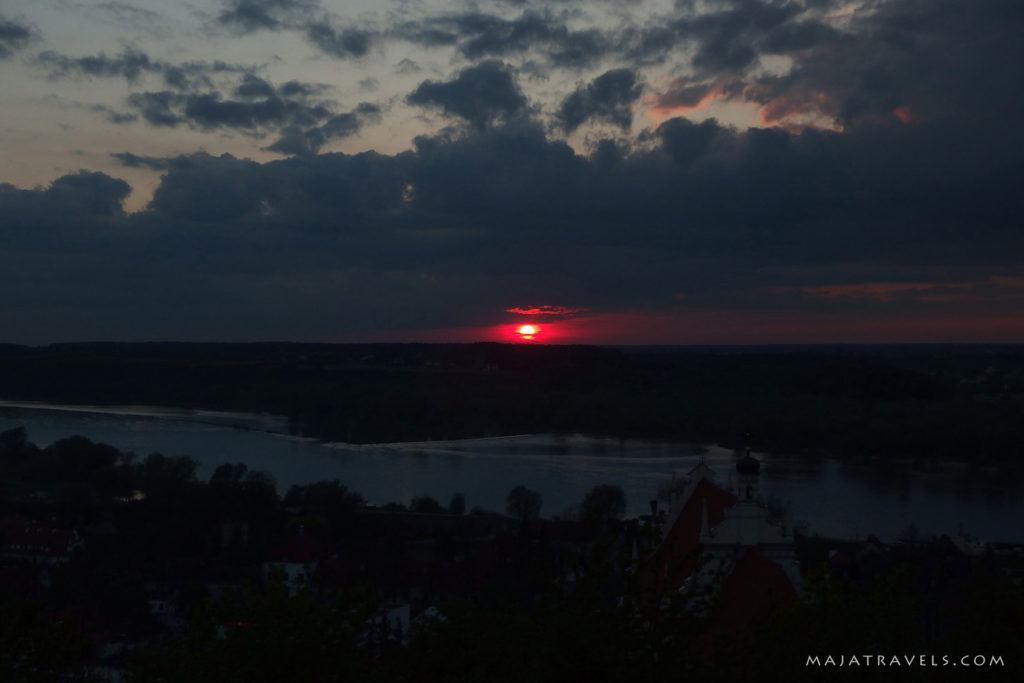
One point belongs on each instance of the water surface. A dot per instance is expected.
(828, 496)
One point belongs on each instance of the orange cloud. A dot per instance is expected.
(903, 114)
(546, 310)
(684, 97)
(811, 110)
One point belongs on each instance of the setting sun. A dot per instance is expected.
(527, 331)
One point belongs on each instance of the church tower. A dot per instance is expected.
(747, 469)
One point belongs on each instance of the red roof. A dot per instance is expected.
(676, 556)
(745, 600)
(754, 585)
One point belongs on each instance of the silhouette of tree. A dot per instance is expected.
(426, 505)
(523, 503)
(457, 506)
(603, 503)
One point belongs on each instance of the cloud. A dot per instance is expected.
(210, 111)
(902, 61)
(578, 49)
(62, 216)
(482, 95)
(129, 160)
(298, 89)
(885, 177)
(468, 226)
(341, 43)
(124, 14)
(258, 108)
(14, 36)
(685, 95)
(728, 39)
(319, 28)
(195, 76)
(130, 64)
(559, 311)
(248, 16)
(253, 87)
(479, 35)
(298, 141)
(95, 194)
(158, 108)
(609, 97)
(490, 36)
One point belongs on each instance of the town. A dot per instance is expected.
(115, 567)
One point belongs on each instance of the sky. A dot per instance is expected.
(608, 171)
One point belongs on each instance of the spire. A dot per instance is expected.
(747, 469)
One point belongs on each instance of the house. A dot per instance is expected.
(37, 542)
(295, 561)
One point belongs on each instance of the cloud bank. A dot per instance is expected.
(881, 183)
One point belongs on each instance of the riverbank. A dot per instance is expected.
(923, 404)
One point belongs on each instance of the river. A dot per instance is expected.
(826, 496)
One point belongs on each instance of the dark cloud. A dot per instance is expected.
(647, 45)
(909, 60)
(195, 75)
(433, 34)
(467, 226)
(687, 142)
(491, 36)
(253, 86)
(63, 216)
(302, 16)
(210, 111)
(578, 48)
(609, 97)
(295, 140)
(14, 36)
(257, 108)
(909, 201)
(797, 36)
(341, 43)
(95, 194)
(303, 124)
(130, 64)
(207, 189)
(129, 160)
(114, 116)
(482, 95)
(247, 16)
(479, 35)
(158, 108)
(117, 117)
(727, 39)
(298, 89)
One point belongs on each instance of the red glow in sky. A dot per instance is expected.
(722, 326)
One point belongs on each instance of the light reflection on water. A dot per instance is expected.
(830, 497)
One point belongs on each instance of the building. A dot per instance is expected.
(720, 552)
